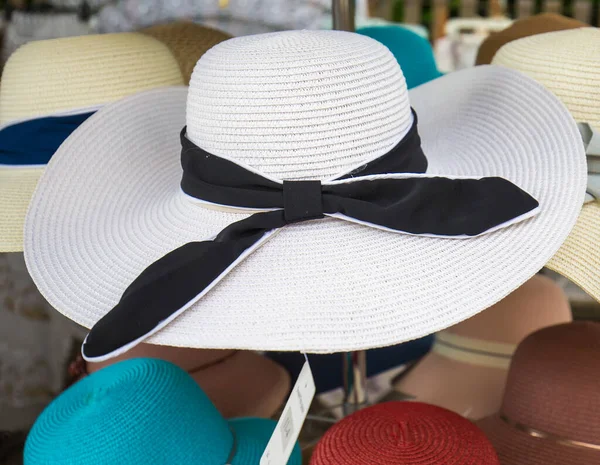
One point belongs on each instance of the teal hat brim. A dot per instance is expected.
(251, 438)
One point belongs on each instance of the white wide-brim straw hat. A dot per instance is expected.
(301, 105)
(67, 76)
(568, 64)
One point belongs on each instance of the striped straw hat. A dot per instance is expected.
(187, 41)
(568, 64)
(404, 433)
(467, 367)
(48, 88)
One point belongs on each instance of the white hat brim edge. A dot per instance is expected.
(441, 283)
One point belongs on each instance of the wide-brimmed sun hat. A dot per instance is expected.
(187, 41)
(550, 414)
(240, 383)
(49, 88)
(404, 433)
(567, 63)
(126, 245)
(524, 27)
(142, 411)
(467, 367)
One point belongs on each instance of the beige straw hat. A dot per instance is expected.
(64, 77)
(187, 41)
(472, 357)
(524, 27)
(568, 64)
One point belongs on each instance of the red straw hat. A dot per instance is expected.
(551, 409)
(404, 433)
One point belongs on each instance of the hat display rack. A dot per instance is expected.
(355, 363)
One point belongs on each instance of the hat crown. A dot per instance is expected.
(538, 303)
(553, 382)
(136, 411)
(298, 104)
(401, 433)
(50, 76)
(565, 62)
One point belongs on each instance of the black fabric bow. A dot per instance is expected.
(369, 195)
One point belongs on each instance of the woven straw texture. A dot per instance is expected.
(552, 387)
(142, 411)
(404, 433)
(187, 41)
(54, 76)
(16, 188)
(49, 76)
(525, 27)
(474, 385)
(301, 105)
(568, 64)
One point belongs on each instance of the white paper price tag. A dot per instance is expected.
(288, 427)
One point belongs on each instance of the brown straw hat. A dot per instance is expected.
(240, 383)
(551, 409)
(530, 26)
(472, 357)
(187, 41)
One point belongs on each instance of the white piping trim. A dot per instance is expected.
(206, 290)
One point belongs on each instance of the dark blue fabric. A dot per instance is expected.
(34, 142)
(328, 368)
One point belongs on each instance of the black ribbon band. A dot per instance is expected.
(369, 195)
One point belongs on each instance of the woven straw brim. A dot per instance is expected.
(319, 286)
(515, 447)
(16, 188)
(579, 257)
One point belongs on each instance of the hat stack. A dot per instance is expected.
(472, 358)
(297, 196)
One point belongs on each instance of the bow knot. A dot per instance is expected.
(302, 200)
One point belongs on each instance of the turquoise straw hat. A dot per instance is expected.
(143, 411)
(412, 52)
